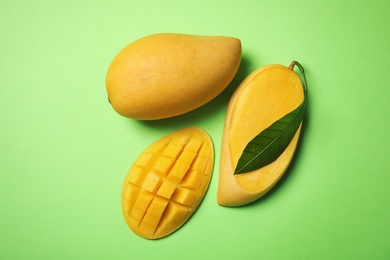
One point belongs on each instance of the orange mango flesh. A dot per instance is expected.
(262, 98)
(167, 182)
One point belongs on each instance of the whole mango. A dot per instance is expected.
(165, 75)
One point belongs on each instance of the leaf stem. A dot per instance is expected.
(291, 67)
(304, 82)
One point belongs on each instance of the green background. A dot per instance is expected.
(65, 152)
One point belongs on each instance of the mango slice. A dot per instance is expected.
(167, 182)
(165, 75)
(262, 98)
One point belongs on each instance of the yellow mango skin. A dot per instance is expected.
(165, 75)
(167, 182)
(262, 98)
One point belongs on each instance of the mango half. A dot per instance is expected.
(167, 182)
(165, 75)
(265, 96)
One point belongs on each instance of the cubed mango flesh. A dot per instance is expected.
(167, 182)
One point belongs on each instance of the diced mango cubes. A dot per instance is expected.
(167, 182)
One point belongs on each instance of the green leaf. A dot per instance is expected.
(267, 146)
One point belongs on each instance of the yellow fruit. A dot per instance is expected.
(167, 182)
(262, 98)
(164, 75)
